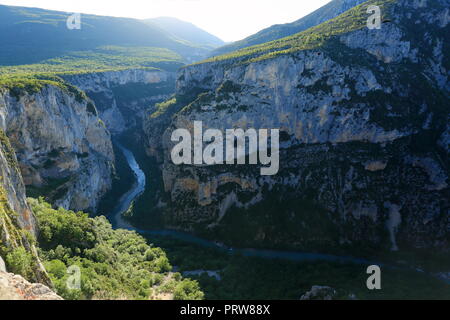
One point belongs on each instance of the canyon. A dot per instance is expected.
(351, 152)
(364, 143)
(355, 167)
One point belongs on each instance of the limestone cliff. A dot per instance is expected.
(365, 132)
(63, 149)
(123, 97)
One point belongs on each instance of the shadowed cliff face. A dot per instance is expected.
(364, 151)
(63, 149)
(122, 97)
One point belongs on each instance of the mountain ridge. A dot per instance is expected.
(25, 29)
(278, 31)
(187, 31)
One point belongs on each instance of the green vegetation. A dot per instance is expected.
(114, 264)
(11, 235)
(176, 103)
(34, 35)
(162, 107)
(31, 78)
(21, 261)
(8, 151)
(21, 84)
(103, 44)
(351, 20)
(14, 240)
(256, 278)
(101, 59)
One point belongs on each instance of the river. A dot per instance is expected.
(116, 218)
(138, 188)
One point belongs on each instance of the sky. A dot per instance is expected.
(230, 20)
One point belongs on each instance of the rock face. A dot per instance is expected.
(364, 153)
(14, 287)
(122, 97)
(17, 221)
(12, 187)
(319, 293)
(63, 149)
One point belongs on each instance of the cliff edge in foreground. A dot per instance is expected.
(15, 287)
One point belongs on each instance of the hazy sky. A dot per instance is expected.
(230, 20)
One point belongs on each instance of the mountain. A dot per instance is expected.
(187, 31)
(62, 135)
(364, 147)
(327, 12)
(30, 35)
(364, 136)
(64, 151)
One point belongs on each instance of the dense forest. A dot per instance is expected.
(114, 264)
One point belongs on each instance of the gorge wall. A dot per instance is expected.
(17, 222)
(364, 140)
(63, 149)
(123, 97)
(54, 143)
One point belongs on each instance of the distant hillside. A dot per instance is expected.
(317, 36)
(30, 35)
(327, 12)
(187, 31)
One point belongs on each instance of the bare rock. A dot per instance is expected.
(319, 293)
(15, 287)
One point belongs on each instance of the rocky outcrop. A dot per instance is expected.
(364, 140)
(63, 149)
(12, 187)
(123, 97)
(319, 293)
(15, 287)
